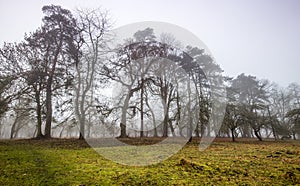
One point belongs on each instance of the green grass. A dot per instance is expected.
(73, 162)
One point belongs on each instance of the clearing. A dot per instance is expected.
(73, 162)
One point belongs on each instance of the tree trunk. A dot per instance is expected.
(232, 134)
(61, 132)
(124, 117)
(271, 123)
(197, 131)
(123, 130)
(166, 118)
(208, 130)
(153, 116)
(89, 126)
(190, 127)
(13, 128)
(178, 113)
(82, 115)
(34, 133)
(172, 129)
(18, 127)
(294, 136)
(82, 127)
(49, 91)
(38, 115)
(181, 131)
(49, 108)
(165, 126)
(142, 110)
(256, 133)
(202, 130)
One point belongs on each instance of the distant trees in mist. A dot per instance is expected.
(55, 83)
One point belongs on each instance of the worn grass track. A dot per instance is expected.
(73, 162)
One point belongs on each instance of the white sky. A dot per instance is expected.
(257, 37)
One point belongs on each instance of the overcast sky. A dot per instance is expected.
(257, 37)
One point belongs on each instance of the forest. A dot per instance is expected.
(58, 82)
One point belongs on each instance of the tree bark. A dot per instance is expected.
(48, 107)
(142, 109)
(38, 115)
(165, 126)
(13, 128)
(166, 117)
(256, 133)
(153, 116)
(172, 129)
(232, 134)
(82, 128)
(124, 117)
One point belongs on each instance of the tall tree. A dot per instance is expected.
(142, 65)
(143, 36)
(202, 70)
(279, 104)
(56, 41)
(294, 117)
(232, 119)
(15, 78)
(94, 26)
(251, 95)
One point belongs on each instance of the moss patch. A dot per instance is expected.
(73, 162)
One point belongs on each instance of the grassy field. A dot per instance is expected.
(73, 162)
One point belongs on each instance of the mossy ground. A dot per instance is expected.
(73, 162)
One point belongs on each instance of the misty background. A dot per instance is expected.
(259, 38)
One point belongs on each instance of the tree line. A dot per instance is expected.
(60, 75)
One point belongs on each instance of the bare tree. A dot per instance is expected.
(94, 26)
